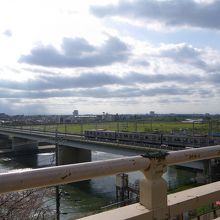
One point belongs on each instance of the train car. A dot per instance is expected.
(90, 134)
(152, 138)
(106, 135)
(125, 137)
(129, 137)
(100, 135)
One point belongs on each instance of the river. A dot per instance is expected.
(82, 199)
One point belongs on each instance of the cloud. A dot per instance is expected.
(104, 92)
(171, 13)
(181, 51)
(78, 52)
(185, 54)
(161, 78)
(93, 80)
(214, 78)
(172, 100)
(7, 33)
(19, 106)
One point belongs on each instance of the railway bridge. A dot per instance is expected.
(73, 149)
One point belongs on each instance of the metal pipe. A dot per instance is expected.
(57, 187)
(51, 176)
(193, 154)
(77, 172)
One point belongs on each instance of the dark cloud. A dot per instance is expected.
(91, 80)
(78, 52)
(103, 92)
(182, 52)
(7, 33)
(172, 100)
(160, 78)
(186, 54)
(140, 62)
(214, 77)
(132, 92)
(46, 82)
(18, 106)
(171, 13)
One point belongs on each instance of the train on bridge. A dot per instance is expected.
(157, 139)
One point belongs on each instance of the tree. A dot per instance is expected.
(26, 205)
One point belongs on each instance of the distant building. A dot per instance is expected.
(75, 113)
(152, 113)
(3, 116)
(196, 121)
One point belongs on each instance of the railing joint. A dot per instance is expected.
(155, 155)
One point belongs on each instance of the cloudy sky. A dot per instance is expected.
(126, 56)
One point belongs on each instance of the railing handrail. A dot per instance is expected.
(50, 176)
(193, 154)
(27, 179)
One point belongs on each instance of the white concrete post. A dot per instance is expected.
(153, 190)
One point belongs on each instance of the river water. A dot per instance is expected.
(89, 197)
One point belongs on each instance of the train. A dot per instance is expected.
(142, 138)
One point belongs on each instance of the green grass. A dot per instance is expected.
(143, 126)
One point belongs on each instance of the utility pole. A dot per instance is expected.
(151, 124)
(57, 187)
(65, 129)
(117, 118)
(135, 123)
(209, 131)
(193, 133)
(81, 128)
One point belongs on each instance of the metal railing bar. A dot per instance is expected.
(193, 154)
(50, 176)
(77, 172)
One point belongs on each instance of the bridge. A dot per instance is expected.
(76, 149)
(72, 148)
(154, 202)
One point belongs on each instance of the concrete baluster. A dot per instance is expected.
(153, 190)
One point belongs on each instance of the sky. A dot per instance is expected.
(115, 56)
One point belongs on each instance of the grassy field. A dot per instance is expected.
(140, 126)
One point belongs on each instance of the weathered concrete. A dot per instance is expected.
(177, 204)
(193, 198)
(153, 190)
(130, 212)
(71, 155)
(57, 175)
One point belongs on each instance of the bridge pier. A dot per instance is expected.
(22, 144)
(5, 142)
(71, 155)
(205, 175)
(208, 170)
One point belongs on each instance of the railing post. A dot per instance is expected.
(153, 190)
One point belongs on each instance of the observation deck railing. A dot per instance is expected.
(154, 202)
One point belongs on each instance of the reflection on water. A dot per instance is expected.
(87, 197)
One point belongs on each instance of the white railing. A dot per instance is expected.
(154, 203)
